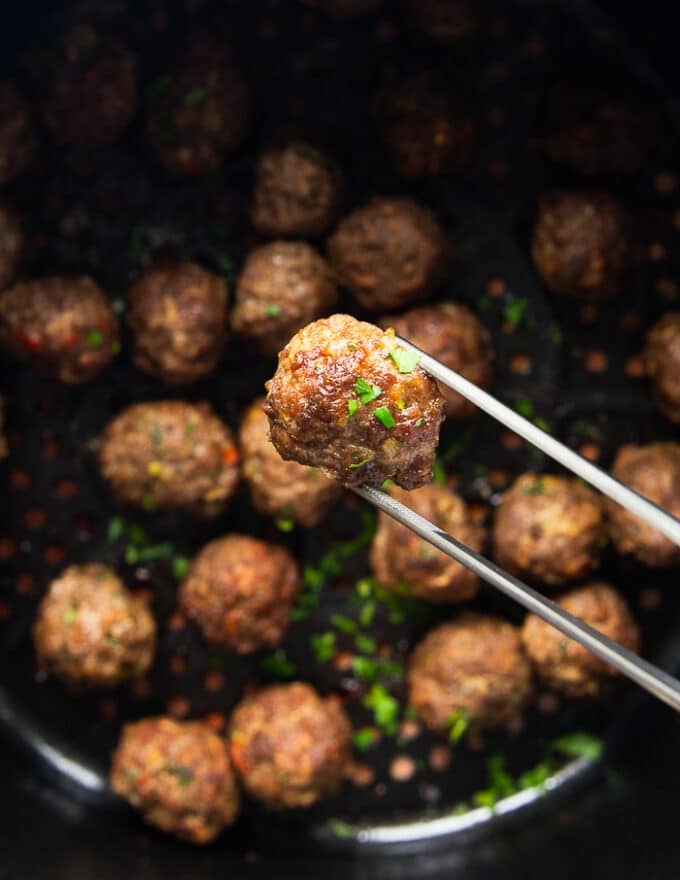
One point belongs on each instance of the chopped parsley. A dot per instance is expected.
(516, 309)
(323, 646)
(180, 566)
(374, 668)
(70, 614)
(351, 345)
(271, 310)
(95, 338)
(340, 828)
(405, 361)
(135, 555)
(190, 429)
(535, 488)
(285, 524)
(384, 416)
(157, 434)
(195, 95)
(420, 423)
(525, 407)
(115, 346)
(183, 775)
(365, 391)
(352, 407)
(278, 664)
(457, 723)
(385, 708)
(364, 738)
(579, 745)
(116, 529)
(365, 644)
(438, 473)
(536, 776)
(358, 464)
(344, 624)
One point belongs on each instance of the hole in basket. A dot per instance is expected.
(65, 488)
(55, 554)
(25, 583)
(35, 517)
(20, 479)
(520, 364)
(8, 548)
(596, 361)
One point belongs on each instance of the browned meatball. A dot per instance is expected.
(345, 9)
(283, 286)
(90, 630)
(178, 315)
(549, 529)
(583, 244)
(12, 243)
(345, 398)
(445, 21)
(289, 745)
(389, 252)
(402, 560)
(452, 334)
(200, 113)
(18, 142)
(63, 326)
(178, 774)
(277, 487)
(92, 88)
(473, 669)
(426, 128)
(564, 664)
(661, 357)
(298, 190)
(239, 592)
(170, 455)
(653, 471)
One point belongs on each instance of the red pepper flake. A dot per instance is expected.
(30, 341)
(230, 455)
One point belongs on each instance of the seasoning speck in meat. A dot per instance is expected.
(565, 665)
(298, 190)
(281, 488)
(652, 471)
(283, 286)
(290, 746)
(661, 357)
(170, 455)
(63, 326)
(472, 669)
(178, 775)
(452, 334)
(583, 244)
(200, 113)
(389, 252)
(178, 315)
(18, 142)
(91, 631)
(239, 591)
(426, 128)
(12, 243)
(402, 561)
(347, 399)
(92, 89)
(549, 529)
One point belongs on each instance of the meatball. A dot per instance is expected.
(63, 326)
(178, 774)
(401, 560)
(549, 529)
(426, 129)
(170, 455)
(389, 252)
(473, 669)
(90, 630)
(345, 9)
(445, 21)
(277, 487)
(661, 357)
(18, 142)
(298, 190)
(92, 89)
(347, 399)
(564, 664)
(452, 334)
(283, 286)
(200, 113)
(12, 244)
(239, 592)
(178, 316)
(289, 745)
(652, 471)
(583, 244)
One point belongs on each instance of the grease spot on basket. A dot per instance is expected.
(402, 768)
(440, 757)
(178, 706)
(65, 488)
(20, 479)
(35, 517)
(8, 548)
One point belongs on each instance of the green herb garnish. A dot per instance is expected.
(116, 529)
(457, 723)
(323, 646)
(365, 644)
(364, 738)
(515, 310)
(385, 708)
(180, 566)
(271, 310)
(183, 775)
(70, 614)
(285, 524)
(278, 664)
(344, 624)
(405, 361)
(579, 745)
(95, 338)
(365, 391)
(384, 416)
(361, 463)
(195, 95)
(352, 407)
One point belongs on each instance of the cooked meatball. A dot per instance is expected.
(63, 326)
(549, 529)
(403, 561)
(90, 630)
(297, 192)
(345, 9)
(652, 471)
(452, 334)
(178, 774)
(562, 663)
(200, 113)
(170, 455)
(583, 244)
(178, 316)
(445, 21)
(239, 592)
(277, 487)
(345, 398)
(289, 745)
(472, 668)
(283, 286)
(426, 128)
(18, 142)
(389, 252)
(12, 244)
(92, 88)
(661, 358)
